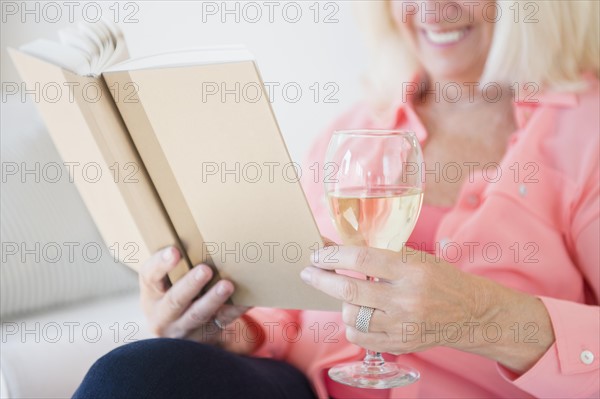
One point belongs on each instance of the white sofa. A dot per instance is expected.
(59, 313)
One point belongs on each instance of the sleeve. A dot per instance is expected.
(267, 325)
(571, 366)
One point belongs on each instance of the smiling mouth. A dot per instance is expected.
(446, 37)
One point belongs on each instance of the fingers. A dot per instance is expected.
(154, 272)
(378, 342)
(369, 261)
(347, 289)
(204, 308)
(175, 311)
(180, 296)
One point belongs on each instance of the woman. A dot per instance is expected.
(501, 288)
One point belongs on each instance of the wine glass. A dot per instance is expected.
(375, 194)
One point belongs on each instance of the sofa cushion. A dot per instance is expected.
(46, 355)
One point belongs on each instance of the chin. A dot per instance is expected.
(458, 73)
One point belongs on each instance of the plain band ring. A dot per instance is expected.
(364, 318)
(217, 323)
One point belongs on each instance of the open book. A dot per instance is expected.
(179, 149)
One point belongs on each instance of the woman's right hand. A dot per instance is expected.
(177, 311)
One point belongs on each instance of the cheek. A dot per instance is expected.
(403, 20)
(401, 17)
(488, 34)
(484, 17)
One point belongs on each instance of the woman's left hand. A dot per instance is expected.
(420, 301)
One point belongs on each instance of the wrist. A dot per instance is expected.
(482, 307)
(508, 326)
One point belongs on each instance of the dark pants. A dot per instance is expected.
(172, 368)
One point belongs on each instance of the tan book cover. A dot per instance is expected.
(215, 177)
(89, 135)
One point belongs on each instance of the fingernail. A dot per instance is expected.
(200, 273)
(222, 290)
(305, 275)
(167, 254)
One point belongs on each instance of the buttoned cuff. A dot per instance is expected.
(570, 367)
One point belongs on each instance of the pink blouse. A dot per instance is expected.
(532, 223)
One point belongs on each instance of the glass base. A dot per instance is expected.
(384, 376)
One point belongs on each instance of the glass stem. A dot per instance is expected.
(373, 359)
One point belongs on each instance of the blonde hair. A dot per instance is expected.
(553, 52)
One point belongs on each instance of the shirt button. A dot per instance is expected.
(522, 190)
(587, 357)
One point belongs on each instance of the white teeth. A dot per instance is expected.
(445, 37)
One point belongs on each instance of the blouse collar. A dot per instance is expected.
(403, 106)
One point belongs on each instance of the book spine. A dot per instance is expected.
(159, 170)
(139, 192)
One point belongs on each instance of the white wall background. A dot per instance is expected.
(323, 46)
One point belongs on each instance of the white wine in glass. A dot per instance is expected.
(381, 217)
(375, 197)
